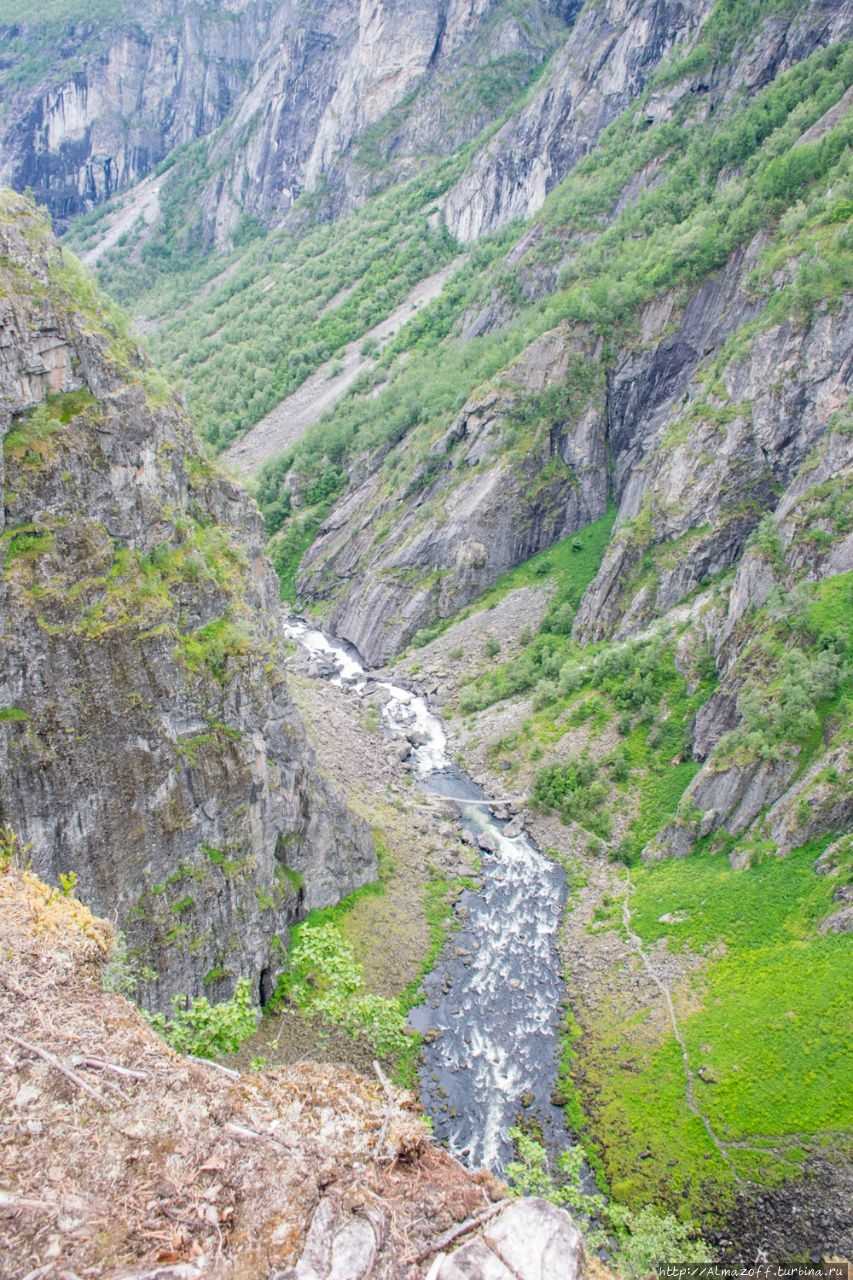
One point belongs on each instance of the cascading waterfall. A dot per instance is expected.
(492, 1004)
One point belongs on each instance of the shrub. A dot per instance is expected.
(324, 978)
(209, 1030)
(645, 1239)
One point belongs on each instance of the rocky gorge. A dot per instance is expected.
(538, 320)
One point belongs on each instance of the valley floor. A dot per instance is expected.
(704, 1072)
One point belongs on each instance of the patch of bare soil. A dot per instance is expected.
(119, 1158)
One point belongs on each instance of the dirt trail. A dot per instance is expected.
(289, 420)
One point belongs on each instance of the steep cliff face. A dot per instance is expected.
(614, 52)
(698, 408)
(524, 464)
(345, 100)
(150, 743)
(93, 106)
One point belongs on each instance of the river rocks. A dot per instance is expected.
(487, 842)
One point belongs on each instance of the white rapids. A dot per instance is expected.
(492, 1004)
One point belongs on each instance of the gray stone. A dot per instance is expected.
(537, 1241)
(474, 1261)
(841, 922)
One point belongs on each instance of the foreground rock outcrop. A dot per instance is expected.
(124, 1159)
(150, 744)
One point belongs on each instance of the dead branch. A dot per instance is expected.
(52, 1061)
(95, 1064)
(470, 1224)
(389, 1110)
(243, 1133)
(10, 1201)
(208, 1062)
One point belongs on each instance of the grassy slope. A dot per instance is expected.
(766, 1022)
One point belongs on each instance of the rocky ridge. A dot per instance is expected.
(282, 93)
(150, 741)
(614, 53)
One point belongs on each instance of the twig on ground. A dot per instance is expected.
(208, 1062)
(52, 1061)
(243, 1133)
(389, 1110)
(8, 1200)
(470, 1224)
(95, 1064)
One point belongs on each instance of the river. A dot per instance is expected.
(492, 1005)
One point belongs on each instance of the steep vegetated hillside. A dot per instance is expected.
(150, 744)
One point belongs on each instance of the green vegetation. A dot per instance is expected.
(801, 655)
(764, 1023)
(251, 326)
(208, 1030)
(569, 567)
(323, 978)
(14, 852)
(25, 542)
(67, 883)
(27, 441)
(644, 1239)
(13, 715)
(633, 685)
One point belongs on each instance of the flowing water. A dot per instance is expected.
(492, 1004)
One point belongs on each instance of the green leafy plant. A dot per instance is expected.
(13, 854)
(67, 882)
(324, 978)
(645, 1239)
(209, 1030)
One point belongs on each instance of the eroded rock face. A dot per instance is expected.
(294, 86)
(150, 743)
(119, 97)
(692, 476)
(604, 66)
(475, 508)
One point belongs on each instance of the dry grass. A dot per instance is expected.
(119, 1158)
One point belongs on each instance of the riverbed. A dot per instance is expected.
(491, 1010)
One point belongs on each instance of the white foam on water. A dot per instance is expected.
(495, 1037)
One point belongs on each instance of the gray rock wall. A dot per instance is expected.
(149, 741)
